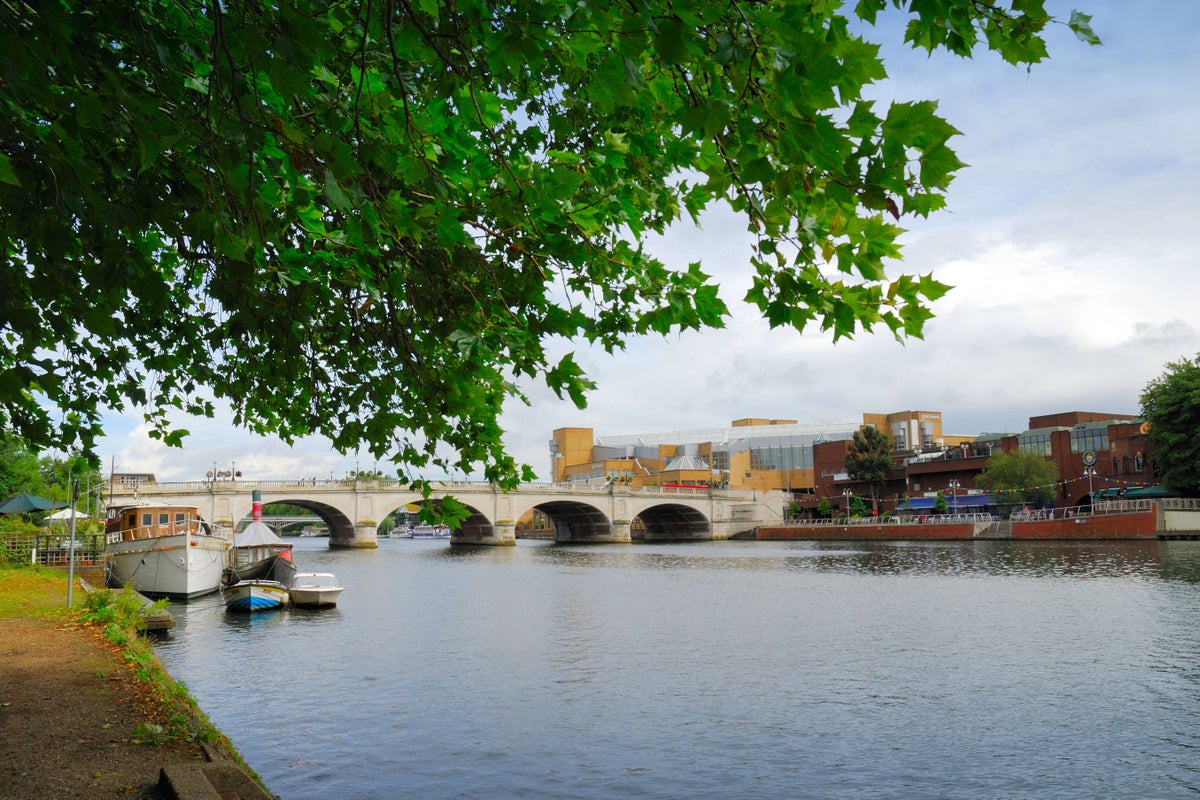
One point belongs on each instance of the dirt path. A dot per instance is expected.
(69, 709)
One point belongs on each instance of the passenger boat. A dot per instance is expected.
(255, 595)
(430, 532)
(163, 551)
(315, 589)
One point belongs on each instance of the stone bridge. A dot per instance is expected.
(352, 510)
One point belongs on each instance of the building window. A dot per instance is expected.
(1085, 439)
(781, 457)
(1037, 443)
(926, 434)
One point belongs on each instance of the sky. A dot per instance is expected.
(1069, 241)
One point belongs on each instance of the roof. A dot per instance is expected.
(686, 463)
(716, 436)
(1138, 492)
(25, 502)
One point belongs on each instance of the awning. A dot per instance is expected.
(961, 502)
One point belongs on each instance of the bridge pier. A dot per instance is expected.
(620, 531)
(365, 537)
(498, 534)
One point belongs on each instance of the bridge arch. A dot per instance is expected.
(341, 527)
(674, 522)
(579, 522)
(476, 526)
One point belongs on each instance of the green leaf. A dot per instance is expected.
(6, 172)
(1081, 25)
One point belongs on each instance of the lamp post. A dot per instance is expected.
(1088, 473)
(954, 496)
(846, 493)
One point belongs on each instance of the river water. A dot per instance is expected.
(716, 670)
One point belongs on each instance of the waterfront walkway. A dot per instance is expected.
(71, 714)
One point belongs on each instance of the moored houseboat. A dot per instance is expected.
(163, 551)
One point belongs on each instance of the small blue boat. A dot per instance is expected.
(255, 595)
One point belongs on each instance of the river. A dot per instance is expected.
(716, 670)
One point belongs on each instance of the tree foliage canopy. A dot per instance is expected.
(1171, 404)
(1020, 478)
(367, 220)
(869, 458)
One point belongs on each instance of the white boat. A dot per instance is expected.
(315, 589)
(255, 595)
(163, 551)
(424, 531)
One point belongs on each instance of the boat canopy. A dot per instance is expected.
(257, 534)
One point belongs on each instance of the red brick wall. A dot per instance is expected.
(856, 533)
(1118, 526)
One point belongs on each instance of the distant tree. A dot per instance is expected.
(859, 507)
(824, 508)
(939, 504)
(869, 459)
(1020, 478)
(1171, 404)
(19, 470)
(58, 475)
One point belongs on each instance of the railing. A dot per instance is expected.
(53, 550)
(1178, 503)
(182, 487)
(1122, 506)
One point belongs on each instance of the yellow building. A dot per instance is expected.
(752, 453)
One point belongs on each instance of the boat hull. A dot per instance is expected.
(256, 595)
(314, 589)
(314, 597)
(178, 566)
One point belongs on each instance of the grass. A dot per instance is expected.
(30, 591)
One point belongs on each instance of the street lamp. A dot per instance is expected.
(846, 493)
(954, 496)
(1088, 473)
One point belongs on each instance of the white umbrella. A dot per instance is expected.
(65, 514)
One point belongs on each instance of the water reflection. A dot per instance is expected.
(1174, 560)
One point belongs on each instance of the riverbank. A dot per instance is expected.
(84, 716)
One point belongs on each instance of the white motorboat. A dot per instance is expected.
(315, 589)
(163, 551)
